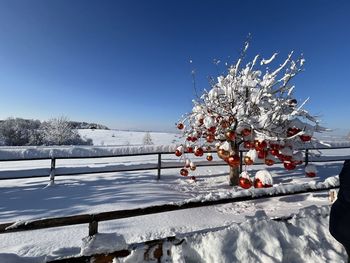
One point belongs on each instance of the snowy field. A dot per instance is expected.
(236, 232)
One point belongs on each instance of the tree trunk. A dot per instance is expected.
(233, 177)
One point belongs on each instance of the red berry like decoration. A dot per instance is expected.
(258, 183)
(189, 149)
(305, 138)
(198, 152)
(230, 135)
(212, 129)
(289, 166)
(274, 152)
(193, 178)
(184, 172)
(245, 183)
(178, 153)
(269, 162)
(262, 154)
(210, 138)
(223, 154)
(246, 132)
(311, 174)
(225, 124)
(292, 131)
(209, 158)
(180, 126)
(247, 144)
(248, 160)
(233, 160)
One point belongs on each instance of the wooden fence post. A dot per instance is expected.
(52, 171)
(240, 161)
(159, 167)
(306, 157)
(93, 226)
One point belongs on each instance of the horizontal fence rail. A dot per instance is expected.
(158, 165)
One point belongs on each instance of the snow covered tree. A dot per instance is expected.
(18, 131)
(58, 131)
(147, 139)
(253, 110)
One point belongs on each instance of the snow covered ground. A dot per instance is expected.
(125, 138)
(235, 232)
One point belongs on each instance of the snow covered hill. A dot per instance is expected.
(125, 138)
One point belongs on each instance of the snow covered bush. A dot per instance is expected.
(18, 132)
(252, 106)
(58, 131)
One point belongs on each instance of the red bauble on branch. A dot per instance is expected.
(209, 157)
(190, 149)
(289, 165)
(198, 151)
(305, 138)
(223, 154)
(233, 160)
(180, 126)
(292, 131)
(248, 160)
(210, 138)
(230, 135)
(184, 172)
(245, 183)
(178, 153)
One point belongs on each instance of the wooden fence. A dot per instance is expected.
(159, 165)
(93, 219)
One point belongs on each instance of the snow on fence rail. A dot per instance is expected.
(8, 154)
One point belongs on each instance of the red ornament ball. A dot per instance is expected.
(311, 174)
(289, 166)
(305, 138)
(180, 126)
(184, 172)
(245, 183)
(230, 135)
(189, 149)
(198, 152)
(209, 158)
(259, 184)
(269, 162)
(248, 160)
(178, 153)
(210, 138)
(233, 160)
(212, 129)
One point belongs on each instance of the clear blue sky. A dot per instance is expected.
(126, 63)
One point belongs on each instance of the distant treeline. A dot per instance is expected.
(86, 125)
(56, 131)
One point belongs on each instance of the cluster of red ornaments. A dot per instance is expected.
(267, 151)
(270, 151)
(246, 183)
